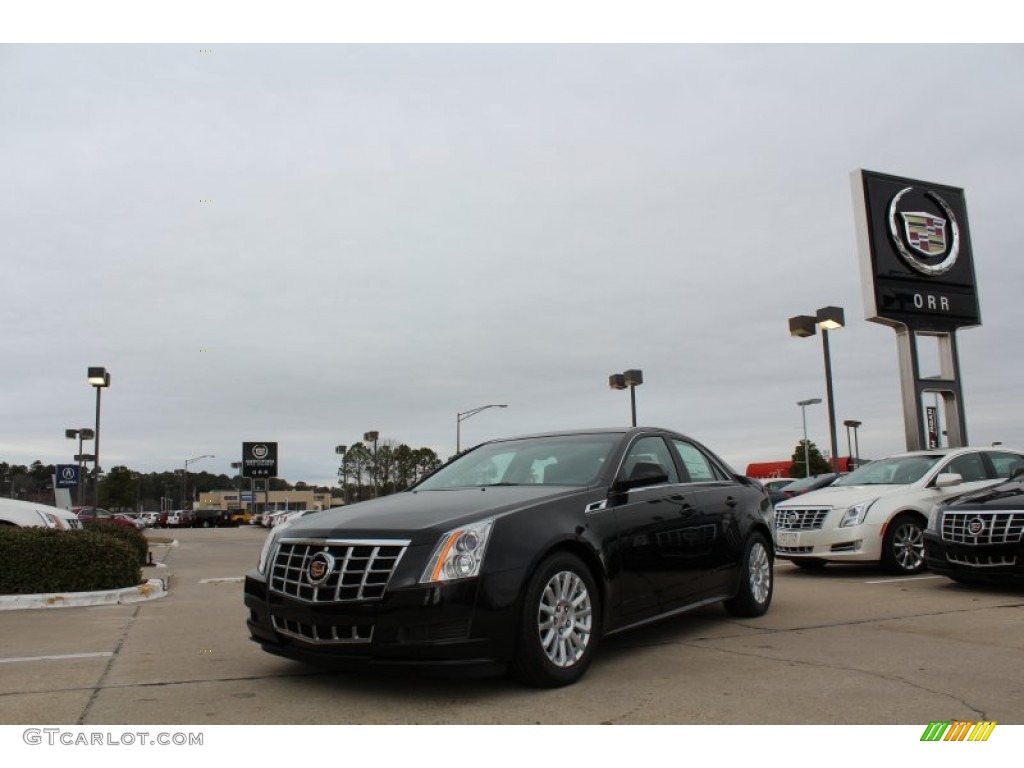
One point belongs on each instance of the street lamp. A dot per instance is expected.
(342, 471)
(632, 379)
(803, 411)
(82, 434)
(461, 417)
(852, 423)
(828, 319)
(99, 378)
(184, 475)
(372, 437)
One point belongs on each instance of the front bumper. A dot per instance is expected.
(468, 625)
(856, 544)
(987, 562)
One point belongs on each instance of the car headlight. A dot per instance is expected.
(855, 515)
(268, 546)
(934, 516)
(459, 554)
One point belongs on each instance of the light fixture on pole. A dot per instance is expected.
(99, 378)
(372, 437)
(461, 417)
(184, 475)
(828, 319)
(852, 424)
(632, 379)
(342, 471)
(82, 434)
(803, 411)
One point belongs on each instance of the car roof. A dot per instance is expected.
(20, 505)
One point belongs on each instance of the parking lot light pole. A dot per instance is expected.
(99, 378)
(184, 475)
(342, 470)
(853, 423)
(82, 434)
(461, 417)
(632, 379)
(828, 319)
(371, 437)
(803, 411)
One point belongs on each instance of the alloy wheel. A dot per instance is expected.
(565, 619)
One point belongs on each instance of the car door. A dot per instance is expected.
(650, 520)
(716, 545)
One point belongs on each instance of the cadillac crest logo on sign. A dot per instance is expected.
(927, 242)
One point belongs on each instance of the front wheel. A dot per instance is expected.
(903, 546)
(756, 580)
(559, 627)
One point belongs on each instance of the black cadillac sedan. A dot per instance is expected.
(519, 555)
(979, 537)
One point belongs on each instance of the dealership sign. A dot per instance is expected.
(915, 250)
(259, 459)
(66, 476)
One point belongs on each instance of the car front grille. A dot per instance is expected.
(982, 528)
(359, 569)
(793, 550)
(324, 633)
(982, 561)
(801, 519)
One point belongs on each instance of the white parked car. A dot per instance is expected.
(878, 513)
(28, 514)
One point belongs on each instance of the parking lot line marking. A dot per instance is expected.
(903, 578)
(228, 579)
(62, 656)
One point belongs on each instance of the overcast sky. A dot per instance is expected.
(302, 243)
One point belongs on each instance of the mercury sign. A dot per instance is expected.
(259, 459)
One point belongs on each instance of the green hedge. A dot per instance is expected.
(38, 560)
(131, 536)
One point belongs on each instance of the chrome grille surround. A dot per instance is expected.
(982, 561)
(801, 518)
(324, 633)
(996, 527)
(361, 569)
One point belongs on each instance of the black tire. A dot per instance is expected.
(809, 565)
(757, 579)
(560, 623)
(903, 546)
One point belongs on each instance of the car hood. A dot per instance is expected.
(1006, 495)
(419, 514)
(845, 495)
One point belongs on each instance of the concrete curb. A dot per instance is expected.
(153, 589)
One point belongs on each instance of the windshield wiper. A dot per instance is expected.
(496, 485)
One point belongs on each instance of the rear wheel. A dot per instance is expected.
(756, 580)
(559, 627)
(903, 546)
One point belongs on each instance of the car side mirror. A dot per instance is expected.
(948, 479)
(644, 474)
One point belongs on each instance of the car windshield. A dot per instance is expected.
(898, 470)
(557, 460)
(810, 482)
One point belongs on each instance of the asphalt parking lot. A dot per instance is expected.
(847, 645)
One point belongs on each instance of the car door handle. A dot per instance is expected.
(730, 501)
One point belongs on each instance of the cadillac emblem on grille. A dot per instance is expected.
(975, 526)
(793, 519)
(319, 568)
